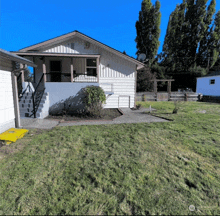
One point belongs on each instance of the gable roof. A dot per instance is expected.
(16, 58)
(85, 37)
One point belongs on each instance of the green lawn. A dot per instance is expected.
(156, 168)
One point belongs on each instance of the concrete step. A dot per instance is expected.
(29, 100)
(39, 114)
(24, 110)
(26, 106)
(29, 96)
(30, 105)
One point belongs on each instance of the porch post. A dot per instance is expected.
(97, 66)
(71, 69)
(169, 89)
(155, 88)
(44, 70)
(15, 99)
(22, 72)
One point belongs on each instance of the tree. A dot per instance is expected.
(28, 77)
(204, 52)
(190, 40)
(144, 77)
(148, 29)
(215, 40)
(172, 47)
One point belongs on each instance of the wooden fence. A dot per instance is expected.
(164, 96)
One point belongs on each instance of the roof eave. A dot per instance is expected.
(16, 58)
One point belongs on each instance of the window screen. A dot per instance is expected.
(91, 62)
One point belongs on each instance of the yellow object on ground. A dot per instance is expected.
(12, 135)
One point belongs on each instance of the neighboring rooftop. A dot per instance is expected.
(212, 73)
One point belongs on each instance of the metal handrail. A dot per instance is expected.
(39, 84)
(36, 103)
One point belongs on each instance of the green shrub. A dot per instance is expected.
(177, 106)
(94, 98)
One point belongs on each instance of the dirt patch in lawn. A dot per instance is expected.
(107, 114)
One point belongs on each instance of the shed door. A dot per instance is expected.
(124, 101)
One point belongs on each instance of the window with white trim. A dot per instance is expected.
(91, 67)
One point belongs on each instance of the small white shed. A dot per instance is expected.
(209, 85)
(9, 107)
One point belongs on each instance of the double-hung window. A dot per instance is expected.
(91, 67)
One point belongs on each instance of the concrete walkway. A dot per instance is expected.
(130, 116)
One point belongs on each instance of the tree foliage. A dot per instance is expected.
(148, 29)
(144, 77)
(190, 39)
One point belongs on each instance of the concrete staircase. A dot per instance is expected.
(26, 106)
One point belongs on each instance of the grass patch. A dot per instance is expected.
(156, 168)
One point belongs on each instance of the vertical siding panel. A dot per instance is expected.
(109, 73)
(101, 75)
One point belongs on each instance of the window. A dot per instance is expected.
(72, 45)
(91, 67)
(212, 82)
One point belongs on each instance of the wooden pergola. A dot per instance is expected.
(163, 80)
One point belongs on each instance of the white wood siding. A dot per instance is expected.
(124, 101)
(6, 100)
(79, 47)
(204, 87)
(120, 73)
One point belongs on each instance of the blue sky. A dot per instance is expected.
(24, 23)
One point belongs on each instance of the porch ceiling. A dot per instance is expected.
(56, 54)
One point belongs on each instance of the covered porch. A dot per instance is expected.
(59, 67)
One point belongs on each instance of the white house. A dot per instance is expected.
(68, 63)
(9, 108)
(209, 85)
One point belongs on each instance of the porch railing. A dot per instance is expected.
(66, 77)
(84, 78)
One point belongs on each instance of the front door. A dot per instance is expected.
(55, 71)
